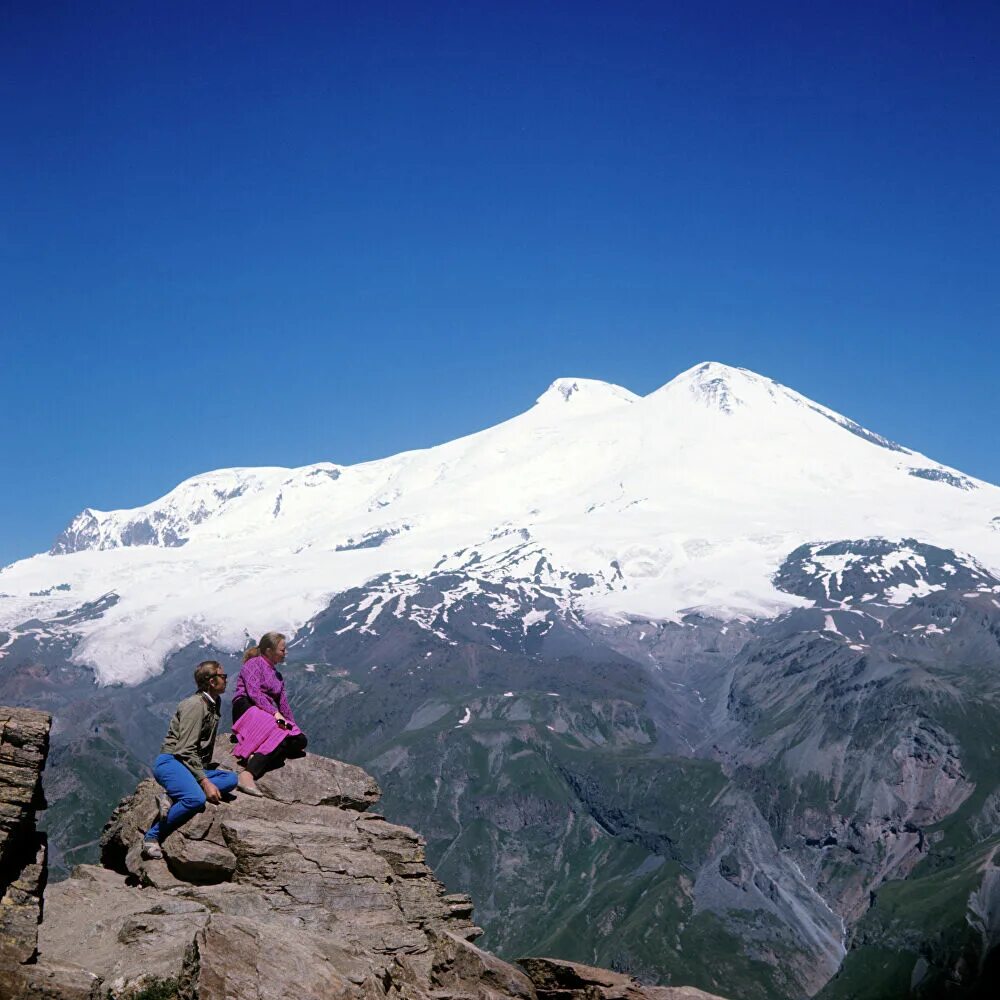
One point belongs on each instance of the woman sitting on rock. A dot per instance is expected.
(261, 686)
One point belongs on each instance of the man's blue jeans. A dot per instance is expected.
(184, 791)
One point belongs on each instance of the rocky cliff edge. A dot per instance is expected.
(24, 745)
(303, 894)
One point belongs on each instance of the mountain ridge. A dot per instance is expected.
(687, 499)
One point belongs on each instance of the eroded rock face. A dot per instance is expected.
(555, 979)
(300, 893)
(24, 743)
(120, 933)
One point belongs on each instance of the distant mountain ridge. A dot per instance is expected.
(685, 500)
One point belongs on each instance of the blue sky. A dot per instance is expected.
(263, 234)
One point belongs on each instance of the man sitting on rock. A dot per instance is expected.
(184, 765)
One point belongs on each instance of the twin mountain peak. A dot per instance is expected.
(688, 499)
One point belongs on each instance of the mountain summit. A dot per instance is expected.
(689, 498)
(585, 394)
(718, 386)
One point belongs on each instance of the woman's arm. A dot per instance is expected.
(283, 707)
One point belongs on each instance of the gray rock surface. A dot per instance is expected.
(24, 742)
(555, 979)
(122, 934)
(299, 893)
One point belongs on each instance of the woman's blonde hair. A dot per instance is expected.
(268, 641)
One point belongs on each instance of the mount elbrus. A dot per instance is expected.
(703, 685)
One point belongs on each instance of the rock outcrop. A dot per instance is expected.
(24, 744)
(555, 979)
(300, 893)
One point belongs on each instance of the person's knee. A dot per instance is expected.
(194, 801)
(225, 781)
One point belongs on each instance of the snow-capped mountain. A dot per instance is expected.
(544, 637)
(690, 498)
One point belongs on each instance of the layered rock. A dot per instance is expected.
(24, 742)
(299, 893)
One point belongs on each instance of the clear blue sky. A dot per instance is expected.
(254, 233)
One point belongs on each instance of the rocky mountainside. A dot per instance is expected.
(760, 809)
(302, 893)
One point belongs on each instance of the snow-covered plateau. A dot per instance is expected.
(690, 498)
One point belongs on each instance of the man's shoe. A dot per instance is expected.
(151, 850)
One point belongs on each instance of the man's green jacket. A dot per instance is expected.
(191, 736)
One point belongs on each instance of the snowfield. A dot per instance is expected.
(688, 498)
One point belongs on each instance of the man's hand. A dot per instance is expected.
(211, 792)
(281, 720)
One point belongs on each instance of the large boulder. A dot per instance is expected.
(345, 898)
